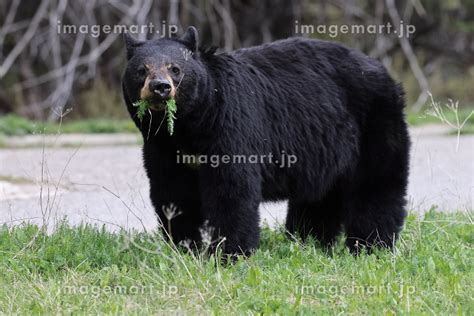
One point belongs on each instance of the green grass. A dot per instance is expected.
(142, 107)
(92, 271)
(170, 108)
(468, 129)
(15, 125)
(14, 179)
(421, 118)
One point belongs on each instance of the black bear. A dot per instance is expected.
(337, 112)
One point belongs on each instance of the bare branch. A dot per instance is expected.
(410, 55)
(25, 39)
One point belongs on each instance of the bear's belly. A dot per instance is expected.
(273, 191)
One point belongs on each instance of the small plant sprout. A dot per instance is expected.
(171, 212)
(437, 110)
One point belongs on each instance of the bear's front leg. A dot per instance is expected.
(174, 192)
(230, 196)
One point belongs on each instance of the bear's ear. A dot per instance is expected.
(130, 44)
(190, 38)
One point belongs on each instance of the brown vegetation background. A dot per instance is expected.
(44, 72)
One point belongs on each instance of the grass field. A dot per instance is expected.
(89, 270)
(424, 117)
(14, 125)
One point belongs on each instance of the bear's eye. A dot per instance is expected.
(141, 71)
(175, 70)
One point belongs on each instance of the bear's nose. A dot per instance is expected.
(160, 88)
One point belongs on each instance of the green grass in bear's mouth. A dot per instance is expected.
(142, 106)
(171, 108)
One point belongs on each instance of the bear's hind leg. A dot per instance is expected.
(321, 220)
(375, 196)
(374, 219)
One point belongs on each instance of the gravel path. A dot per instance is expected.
(105, 184)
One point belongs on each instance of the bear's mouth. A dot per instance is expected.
(157, 104)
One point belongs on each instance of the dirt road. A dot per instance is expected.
(100, 179)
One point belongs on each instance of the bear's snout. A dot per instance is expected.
(157, 88)
(160, 88)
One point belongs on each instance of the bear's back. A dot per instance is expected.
(324, 57)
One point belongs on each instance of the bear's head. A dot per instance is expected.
(163, 69)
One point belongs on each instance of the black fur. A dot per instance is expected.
(337, 110)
